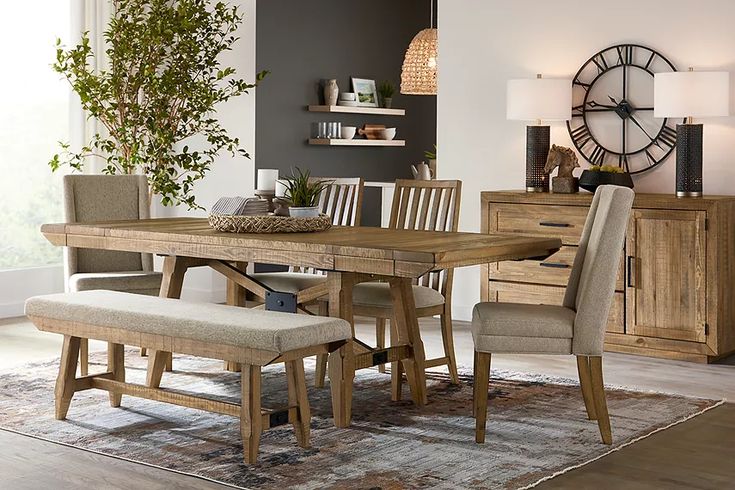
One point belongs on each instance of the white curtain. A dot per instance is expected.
(91, 16)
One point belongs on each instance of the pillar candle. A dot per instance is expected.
(267, 178)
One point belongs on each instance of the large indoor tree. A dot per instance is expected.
(157, 100)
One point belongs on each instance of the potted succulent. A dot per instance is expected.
(303, 194)
(598, 175)
(386, 91)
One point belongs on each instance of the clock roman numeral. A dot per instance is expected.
(623, 162)
(601, 63)
(578, 110)
(598, 155)
(625, 54)
(585, 86)
(668, 136)
(581, 136)
(651, 159)
(650, 60)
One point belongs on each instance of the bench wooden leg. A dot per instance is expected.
(84, 356)
(116, 365)
(251, 421)
(67, 375)
(300, 416)
(341, 375)
(156, 364)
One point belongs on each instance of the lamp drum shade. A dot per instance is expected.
(546, 99)
(691, 94)
(418, 74)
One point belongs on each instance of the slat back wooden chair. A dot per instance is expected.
(431, 205)
(342, 200)
(577, 327)
(89, 198)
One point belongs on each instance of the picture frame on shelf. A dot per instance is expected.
(366, 92)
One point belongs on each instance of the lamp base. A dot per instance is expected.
(689, 160)
(538, 141)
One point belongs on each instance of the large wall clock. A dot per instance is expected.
(612, 115)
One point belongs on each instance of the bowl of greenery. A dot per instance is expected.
(597, 175)
(303, 194)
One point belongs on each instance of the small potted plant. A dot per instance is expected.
(386, 91)
(598, 175)
(303, 194)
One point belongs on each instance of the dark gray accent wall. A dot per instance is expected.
(302, 42)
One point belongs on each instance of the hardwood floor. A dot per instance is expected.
(696, 454)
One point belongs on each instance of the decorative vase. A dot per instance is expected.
(591, 180)
(304, 212)
(387, 102)
(331, 91)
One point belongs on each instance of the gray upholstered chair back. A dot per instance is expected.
(89, 198)
(592, 281)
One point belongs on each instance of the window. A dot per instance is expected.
(34, 116)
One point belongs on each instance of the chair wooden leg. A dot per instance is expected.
(116, 364)
(598, 392)
(380, 338)
(84, 356)
(448, 339)
(67, 374)
(396, 368)
(341, 375)
(481, 379)
(474, 387)
(585, 382)
(251, 421)
(156, 365)
(320, 372)
(300, 416)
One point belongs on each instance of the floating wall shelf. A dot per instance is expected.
(356, 142)
(357, 110)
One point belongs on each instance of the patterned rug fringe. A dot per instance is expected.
(622, 446)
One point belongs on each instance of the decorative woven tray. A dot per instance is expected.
(268, 223)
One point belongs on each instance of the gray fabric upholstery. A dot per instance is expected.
(219, 324)
(289, 282)
(89, 198)
(139, 282)
(378, 294)
(530, 328)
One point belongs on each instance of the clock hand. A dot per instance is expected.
(635, 121)
(595, 104)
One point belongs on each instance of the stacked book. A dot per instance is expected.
(240, 206)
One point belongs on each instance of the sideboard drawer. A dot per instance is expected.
(565, 222)
(554, 270)
(505, 292)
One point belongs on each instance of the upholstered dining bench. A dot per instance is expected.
(253, 338)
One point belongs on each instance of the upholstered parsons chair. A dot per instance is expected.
(89, 198)
(577, 327)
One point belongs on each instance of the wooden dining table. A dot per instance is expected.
(348, 255)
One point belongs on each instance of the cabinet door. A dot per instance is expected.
(666, 280)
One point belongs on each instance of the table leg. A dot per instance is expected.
(407, 327)
(342, 361)
(174, 269)
(235, 297)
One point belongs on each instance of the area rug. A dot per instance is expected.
(536, 428)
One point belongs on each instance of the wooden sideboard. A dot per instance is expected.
(675, 293)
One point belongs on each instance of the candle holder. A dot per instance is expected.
(281, 204)
(268, 196)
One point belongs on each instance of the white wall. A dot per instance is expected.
(229, 176)
(483, 43)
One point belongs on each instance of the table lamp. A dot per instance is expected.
(690, 94)
(539, 100)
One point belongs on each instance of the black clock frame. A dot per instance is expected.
(582, 135)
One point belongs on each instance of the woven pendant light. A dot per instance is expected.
(418, 76)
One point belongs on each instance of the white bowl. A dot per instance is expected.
(386, 134)
(348, 96)
(348, 132)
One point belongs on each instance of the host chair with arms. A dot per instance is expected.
(430, 205)
(575, 328)
(89, 198)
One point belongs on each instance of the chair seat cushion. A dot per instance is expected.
(218, 324)
(512, 327)
(140, 282)
(289, 282)
(378, 294)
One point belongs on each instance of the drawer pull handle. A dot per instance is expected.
(630, 271)
(555, 265)
(554, 225)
